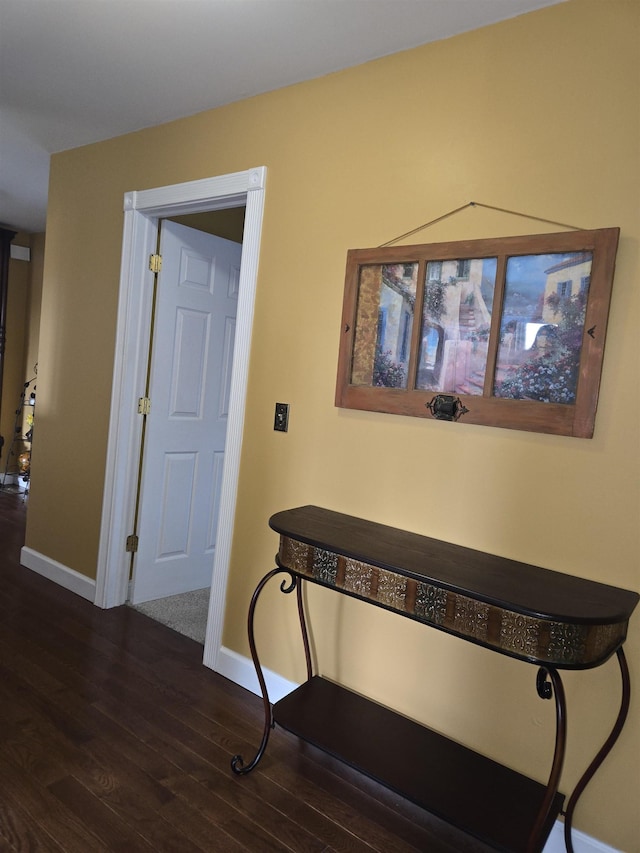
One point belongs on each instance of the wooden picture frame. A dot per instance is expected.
(505, 332)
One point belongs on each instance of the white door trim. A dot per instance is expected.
(142, 210)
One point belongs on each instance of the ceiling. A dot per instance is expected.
(74, 72)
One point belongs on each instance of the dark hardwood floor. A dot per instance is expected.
(115, 737)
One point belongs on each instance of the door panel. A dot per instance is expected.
(175, 505)
(185, 437)
(189, 361)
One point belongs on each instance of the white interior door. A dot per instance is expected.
(185, 434)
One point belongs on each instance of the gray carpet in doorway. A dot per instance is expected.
(185, 613)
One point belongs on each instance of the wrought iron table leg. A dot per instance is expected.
(604, 751)
(545, 691)
(303, 628)
(237, 762)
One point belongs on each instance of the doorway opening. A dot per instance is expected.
(143, 212)
(183, 443)
(20, 296)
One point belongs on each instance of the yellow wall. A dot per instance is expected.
(537, 114)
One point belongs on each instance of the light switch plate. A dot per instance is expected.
(281, 420)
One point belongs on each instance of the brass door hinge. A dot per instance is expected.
(144, 405)
(132, 543)
(155, 263)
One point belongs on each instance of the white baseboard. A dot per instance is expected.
(582, 843)
(240, 669)
(58, 573)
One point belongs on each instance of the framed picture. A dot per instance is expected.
(506, 332)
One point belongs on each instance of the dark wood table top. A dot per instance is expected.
(505, 583)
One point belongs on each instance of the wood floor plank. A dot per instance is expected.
(18, 832)
(201, 830)
(250, 833)
(133, 810)
(44, 814)
(181, 759)
(105, 823)
(204, 760)
(144, 766)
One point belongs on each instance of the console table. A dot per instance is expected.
(546, 618)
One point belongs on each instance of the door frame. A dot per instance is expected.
(142, 211)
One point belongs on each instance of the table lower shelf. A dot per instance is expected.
(466, 789)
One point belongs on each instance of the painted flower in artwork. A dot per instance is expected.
(550, 375)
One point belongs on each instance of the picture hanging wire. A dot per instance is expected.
(477, 204)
